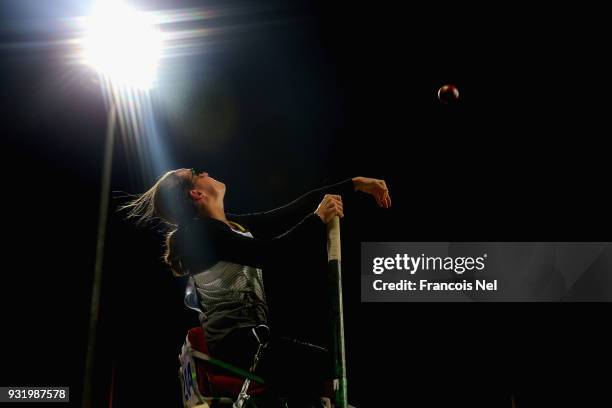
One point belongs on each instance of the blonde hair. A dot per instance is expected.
(167, 200)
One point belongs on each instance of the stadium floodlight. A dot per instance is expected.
(122, 44)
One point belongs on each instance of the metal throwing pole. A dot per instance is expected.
(333, 263)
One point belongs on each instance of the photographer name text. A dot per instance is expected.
(433, 286)
(413, 264)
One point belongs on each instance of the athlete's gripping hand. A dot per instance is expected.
(329, 208)
(374, 187)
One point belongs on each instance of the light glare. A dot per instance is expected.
(122, 44)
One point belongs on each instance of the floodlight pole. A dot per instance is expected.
(94, 311)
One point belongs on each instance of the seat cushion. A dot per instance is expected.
(217, 383)
(198, 340)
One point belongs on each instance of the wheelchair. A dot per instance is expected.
(207, 382)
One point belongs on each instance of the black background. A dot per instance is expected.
(323, 93)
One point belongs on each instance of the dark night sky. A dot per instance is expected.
(298, 96)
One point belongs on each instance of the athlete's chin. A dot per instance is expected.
(220, 188)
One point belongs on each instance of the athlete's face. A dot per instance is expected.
(205, 190)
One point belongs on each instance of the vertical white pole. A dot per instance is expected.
(334, 261)
(94, 312)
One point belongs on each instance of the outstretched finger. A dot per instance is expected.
(379, 200)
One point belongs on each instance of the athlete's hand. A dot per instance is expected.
(329, 208)
(374, 187)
